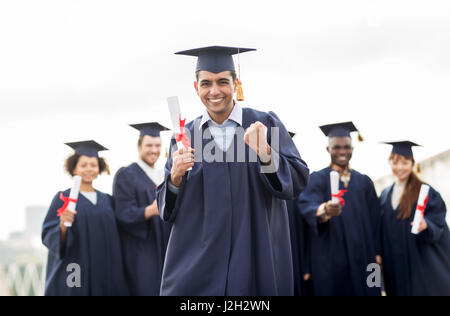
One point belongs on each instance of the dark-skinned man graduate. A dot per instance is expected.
(143, 234)
(230, 234)
(344, 236)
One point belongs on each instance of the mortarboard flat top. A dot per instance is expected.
(151, 129)
(215, 59)
(339, 129)
(88, 148)
(403, 148)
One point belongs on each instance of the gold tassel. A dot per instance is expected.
(360, 138)
(419, 168)
(167, 153)
(240, 92)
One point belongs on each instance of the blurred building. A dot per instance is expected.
(35, 216)
(21, 247)
(23, 257)
(435, 172)
(4, 289)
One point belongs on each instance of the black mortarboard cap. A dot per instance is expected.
(339, 129)
(151, 129)
(88, 148)
(215, 59)
(403, 148)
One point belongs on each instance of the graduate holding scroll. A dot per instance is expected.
(344, 234)
(414, 264)
(230, 232)
(144, 235)
(92, 242)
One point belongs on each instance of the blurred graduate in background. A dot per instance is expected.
(92, 242)
(344, 235)
(413, 264)
(143, 234)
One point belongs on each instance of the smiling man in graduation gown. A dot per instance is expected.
(143, 234)
(230, 231)
(344, 237)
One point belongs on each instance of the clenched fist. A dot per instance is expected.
(182, 160)
(256, 138)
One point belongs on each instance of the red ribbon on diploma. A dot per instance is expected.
(182, 137)
(340, 196)
(66, 201)
(421, 208)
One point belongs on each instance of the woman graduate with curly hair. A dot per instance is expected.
(85, 259)
(414, 264)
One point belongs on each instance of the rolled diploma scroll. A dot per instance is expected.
(175, 115)
(418, 216)
(334, 181)
(74, 192)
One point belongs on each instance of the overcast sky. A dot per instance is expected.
(76, 70)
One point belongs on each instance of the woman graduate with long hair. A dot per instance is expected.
(84, 259)
(414, 264)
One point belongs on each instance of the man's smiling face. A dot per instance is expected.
(341, 151)
(216, 91)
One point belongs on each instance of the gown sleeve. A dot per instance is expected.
(374, 208)
(305, 245)
(51, 232)
(435, 217)
(168, 201)
(311, 199)
(288, 174)
(130, 217)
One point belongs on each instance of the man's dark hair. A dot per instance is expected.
(72, 161)
(232, 73)
(140, 140)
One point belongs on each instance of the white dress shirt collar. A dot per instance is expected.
(236, 116)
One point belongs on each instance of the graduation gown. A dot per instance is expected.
(300, 248)
(92, 242)
(342, 248)
(415, 265)
(143, 242)
(230, 232)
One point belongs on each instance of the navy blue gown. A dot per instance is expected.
(342, 248)
(92, 242)
(144, 242)
(300, 248)
(230, 232)
(415, 265)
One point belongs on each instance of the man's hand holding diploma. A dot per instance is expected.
(183, 160)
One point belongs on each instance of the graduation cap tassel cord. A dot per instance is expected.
(419, 168)
(360, 138)
(240, 91)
